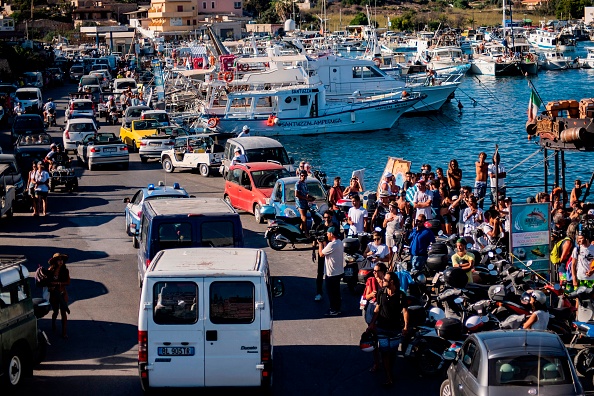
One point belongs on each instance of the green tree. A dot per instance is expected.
(463, 4)
(255, 7)
(359, 19)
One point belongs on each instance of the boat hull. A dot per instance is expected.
(362, 120)
(503, 69)
(437, 96)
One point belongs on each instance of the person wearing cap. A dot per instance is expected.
(239, 158)
(59, 277)
(463, 258)
(420, 238)
(245, 132)
(333, 253)
(422, 201)
(18, 109)
(377, 220)
(302, 200)
(41, 188)
(388, 184)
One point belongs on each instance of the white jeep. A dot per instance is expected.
(193, 152)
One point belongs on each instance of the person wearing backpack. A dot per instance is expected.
(561, 254)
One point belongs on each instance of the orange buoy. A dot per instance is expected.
(212, 122)
(228, 77)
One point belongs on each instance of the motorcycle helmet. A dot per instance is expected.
(455, 277)
(368, 342)
(539, 296)
(436, 314)
(474, 323)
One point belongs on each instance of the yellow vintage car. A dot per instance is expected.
(138, 129)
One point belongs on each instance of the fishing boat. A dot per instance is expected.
(588, 63)
(305, 109)
(494, 59)
(551, 40)
(555, 60)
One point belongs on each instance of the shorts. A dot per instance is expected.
(587, 283)
(388, 341)
(40, 194)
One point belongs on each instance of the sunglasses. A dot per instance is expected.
(327, 218)
(377, 239)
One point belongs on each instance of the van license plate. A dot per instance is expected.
(175, 351)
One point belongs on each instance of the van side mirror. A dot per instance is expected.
(278, 287)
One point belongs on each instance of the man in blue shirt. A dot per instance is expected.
(420, 239)
(302, 199)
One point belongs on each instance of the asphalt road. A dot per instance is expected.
(313, 354)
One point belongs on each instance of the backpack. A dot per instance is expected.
(41, 279)
(557, 250)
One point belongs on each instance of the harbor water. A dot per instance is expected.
(494, 113)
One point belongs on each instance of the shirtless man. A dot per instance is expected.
(480, 183)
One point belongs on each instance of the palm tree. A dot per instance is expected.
(283, 8)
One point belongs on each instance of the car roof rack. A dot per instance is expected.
(8, 261)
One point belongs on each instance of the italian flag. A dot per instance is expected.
(533, 106)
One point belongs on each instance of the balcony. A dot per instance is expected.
(171, 14)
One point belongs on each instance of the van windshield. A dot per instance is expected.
(26, 95)
(278, 154)
(173, 235)
(125, 84)
(217, 234)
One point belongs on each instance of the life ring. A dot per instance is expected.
(271, 121)
(221, 75)
(377, 61)
(243, 67)
(266, 64)
(228, 77)
(212, 122)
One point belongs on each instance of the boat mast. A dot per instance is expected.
(503, 21)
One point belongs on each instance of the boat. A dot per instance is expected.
(493, 59)
(555, 60)
(588, 62)
(303, 109)
(552, 40)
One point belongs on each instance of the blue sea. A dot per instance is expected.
(494, 113)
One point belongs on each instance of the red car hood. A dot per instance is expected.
(267, 192)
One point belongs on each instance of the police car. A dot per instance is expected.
(133, 209)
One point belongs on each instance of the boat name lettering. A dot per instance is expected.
(386, 107)
(309, 123)
(301, 91)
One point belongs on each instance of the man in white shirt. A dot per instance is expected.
(239, 158)
(422, 201)
(357, 216)
(333, 252)
(245, 132)
(497, 175)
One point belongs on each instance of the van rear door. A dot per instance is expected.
(176, 333)
(232, 331)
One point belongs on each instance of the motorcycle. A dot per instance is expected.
(51, 118)
(284, 230)
(112, 116)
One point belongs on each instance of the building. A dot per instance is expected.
(179, 16)
(100, 12)
(533, 4)
(588, 15)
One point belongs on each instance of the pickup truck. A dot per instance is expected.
(193, 152)
(153, 145)
(138, 129)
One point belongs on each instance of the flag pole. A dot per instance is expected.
(535, 91)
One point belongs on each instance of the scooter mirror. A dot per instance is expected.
(493, 272)
(491, 267)
(491, 254)
(469, 246)
(459, 300)
(440, 232)
(557, 286)
(498, 250)
(528, 263)
(449, 355)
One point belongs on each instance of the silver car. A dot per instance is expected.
(512, 362)
(102, 149)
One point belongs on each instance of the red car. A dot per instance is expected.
(248, 186)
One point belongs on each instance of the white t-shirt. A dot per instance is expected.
(334, 257)
(583, 256)
(543, 320)
(422, 197)
(358, 217)
(491, 170)
(379, 251)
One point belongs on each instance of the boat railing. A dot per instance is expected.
(362, 103)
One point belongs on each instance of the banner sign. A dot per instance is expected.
(159, 83)
(530, 235)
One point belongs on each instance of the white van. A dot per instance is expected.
(122, 84)
(205, 319)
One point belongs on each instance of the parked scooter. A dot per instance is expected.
(284, 230)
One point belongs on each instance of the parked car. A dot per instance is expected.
(102, 148)
(133, 211)
(31, 99)
(132, 113)
(80, 108)
(12, 175)
(33, 79)
(95, 91)
(26, 124)
(248, 186)
(193, 152)
(31, 147)
(512, 362)
(282, 198)
(137, 130)
(23, 344)
(159, 115)
(76, 130)
(121, 84)
(257, 149)
(104, 78)
(153, 145)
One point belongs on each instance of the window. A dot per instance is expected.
(188, 22)
(314, 188)
(237, 5)
(245, 179)
(194, 21)
(232, 303)
(529, 370)
(468, 357)
(172, 235)
(267, 178)
(175, 303)
(235, 176)
(180, 8)
(278, 193)
(137, 199)
(13, 293)
(217, 234)
(212, 4)
(204, 5)
(278, 154)
(144, 229)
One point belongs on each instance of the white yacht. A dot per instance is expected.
(551, 40)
